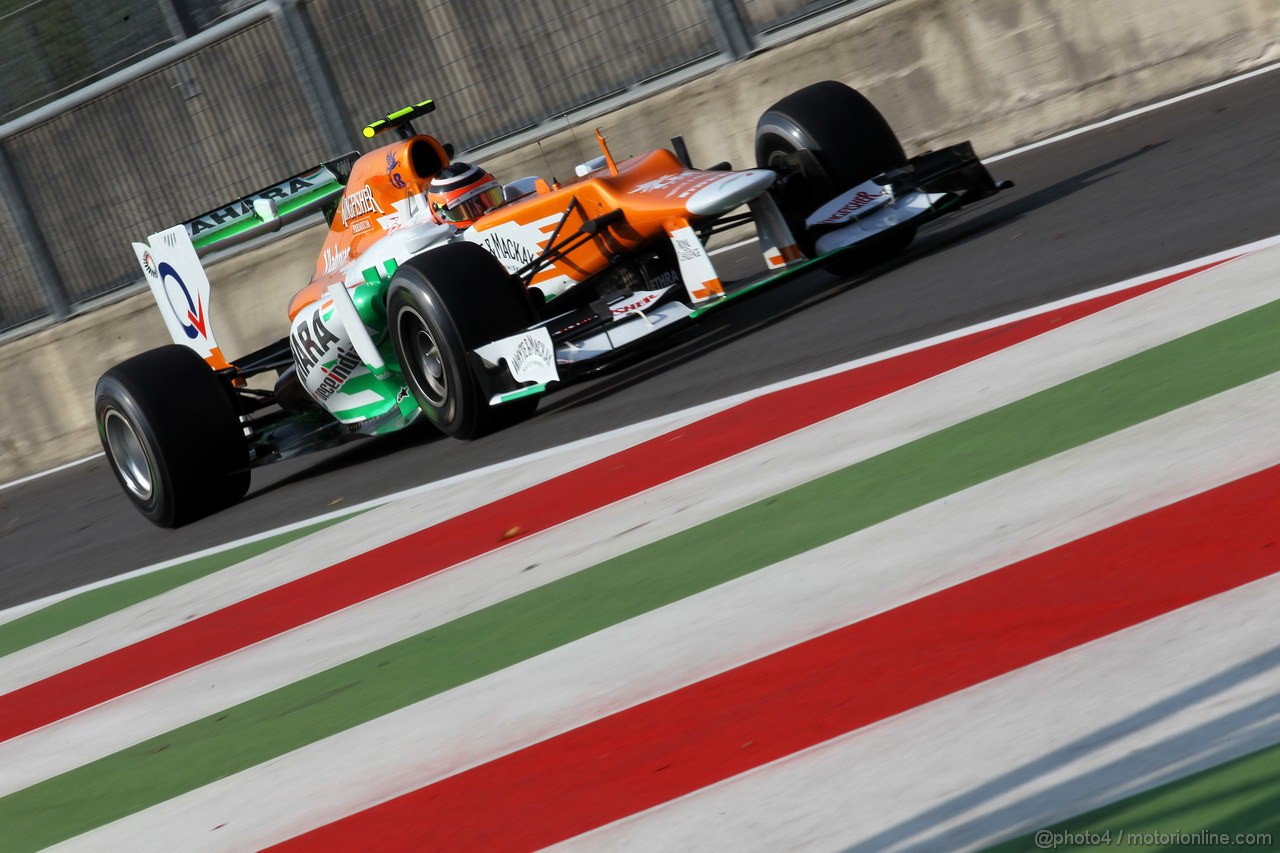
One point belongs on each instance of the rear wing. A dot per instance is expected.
(269, 208)
(170, 259)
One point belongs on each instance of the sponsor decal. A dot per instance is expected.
(359, 204)
(310, 343)
(402, 394)
(392, 165)
(687, 246)
(516, 244)
(636, 304)
(149, 265)
(193, 326)
(575, 324)
(334, 261)
(657, 184)
(662, 281)
(361, 226)
(244, 207)
(679, 184)
(505, 249)
(337, 375)
(531, 349)
(859, 201)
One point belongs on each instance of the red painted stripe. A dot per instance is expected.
(833, 684)
(535, 509)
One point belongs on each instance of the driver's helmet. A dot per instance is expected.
(462, 193)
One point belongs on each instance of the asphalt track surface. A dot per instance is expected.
(1155, 190)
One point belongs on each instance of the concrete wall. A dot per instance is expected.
(1000, 72)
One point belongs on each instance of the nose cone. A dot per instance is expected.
(734, 189)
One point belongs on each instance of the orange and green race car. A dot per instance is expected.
(464, 315)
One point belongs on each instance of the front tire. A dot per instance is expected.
(827, 138)
(442, 304)
(171, 432)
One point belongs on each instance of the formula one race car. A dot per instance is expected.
(409, 315)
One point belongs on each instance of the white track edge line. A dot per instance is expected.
(1185, 96)
(54, 470)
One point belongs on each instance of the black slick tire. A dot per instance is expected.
(848, 141)
(171, 431)
(440, 305)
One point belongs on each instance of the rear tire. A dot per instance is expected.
(850, 142)
(171, 431)
(442, 304)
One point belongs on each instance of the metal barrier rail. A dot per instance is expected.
(282, 85)
(49, 48)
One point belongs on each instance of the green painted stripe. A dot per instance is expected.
(94, 604)
(1240, 796)
(767, 281)
(1144, 386)
(522, 392)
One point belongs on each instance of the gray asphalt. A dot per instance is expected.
(1152, 191)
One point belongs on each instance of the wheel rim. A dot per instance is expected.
(129, 455)
(776, 155)
(796, 194)
(426, 365)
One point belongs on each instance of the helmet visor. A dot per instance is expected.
(472, 207)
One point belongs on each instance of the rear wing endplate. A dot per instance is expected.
(181, 290)
(170, 259)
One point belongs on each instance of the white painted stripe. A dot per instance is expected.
(669, 421)
(995, 523)
(581, 452)
(1157, 702)
(944, 400)
(398, 515)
